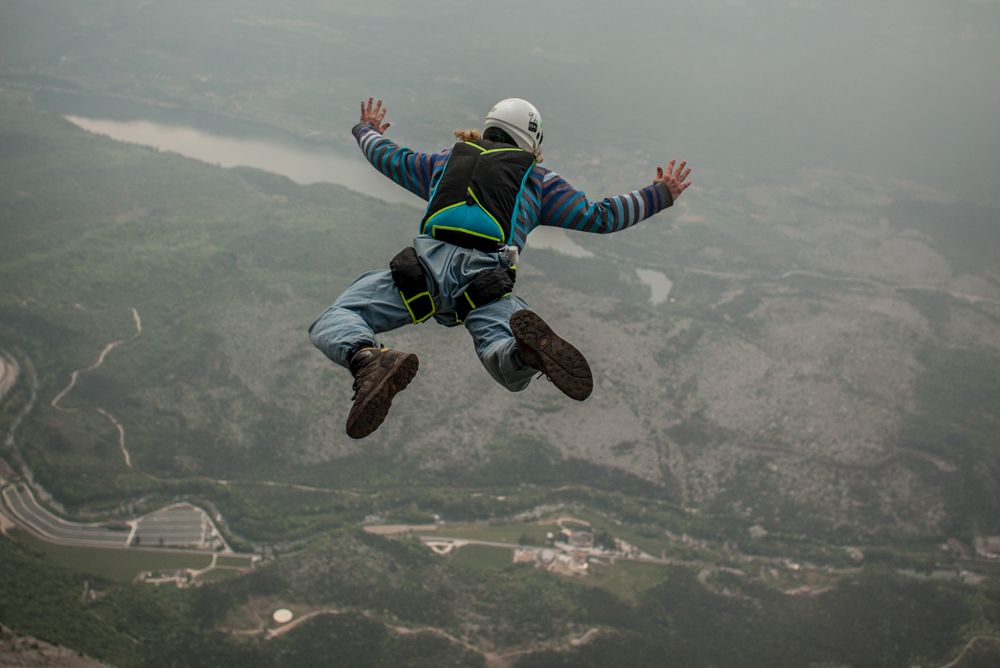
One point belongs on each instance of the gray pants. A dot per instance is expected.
(372, 304)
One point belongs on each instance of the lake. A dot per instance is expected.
(296, 159)
(658, 283)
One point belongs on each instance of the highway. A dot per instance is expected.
(178, 526)
(25, 509)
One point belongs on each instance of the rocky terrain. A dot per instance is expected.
(23, 651)
(777, 382)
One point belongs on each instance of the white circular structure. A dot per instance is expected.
(282, 615)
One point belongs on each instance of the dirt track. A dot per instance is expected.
(9, 371)
(100, 360)
(76, 374)
(493, 659)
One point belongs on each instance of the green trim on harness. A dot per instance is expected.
(485, 288)
(423, 314)
(501, 150)
(440, 211)
(410, 277)
(411, 281)
(480, 205)
(462, 223)
(464, 231)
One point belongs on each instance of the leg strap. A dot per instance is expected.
(411, 281)
(488, 286)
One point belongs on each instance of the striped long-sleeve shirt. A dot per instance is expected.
(548, 199)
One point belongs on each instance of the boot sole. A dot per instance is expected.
(367, 415)
(564, 365)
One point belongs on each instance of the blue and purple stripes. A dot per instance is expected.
(547, 198)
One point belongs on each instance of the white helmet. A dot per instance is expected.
(520, 119)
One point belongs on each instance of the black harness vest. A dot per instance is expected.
(476, 198)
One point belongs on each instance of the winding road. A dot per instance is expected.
(9, 371)
(968, 646)
(493, 659)
(100, 360)
(121, 436)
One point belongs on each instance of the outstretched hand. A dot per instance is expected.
(374, 115)
(674, 179)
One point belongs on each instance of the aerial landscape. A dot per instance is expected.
(791, 455)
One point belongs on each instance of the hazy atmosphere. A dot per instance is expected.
(791, 455)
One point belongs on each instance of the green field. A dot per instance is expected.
(526, 533)
(219, 574)
(238, 562)
(626, 579)
(115, 564)
(484, 557)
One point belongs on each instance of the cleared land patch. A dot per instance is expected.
(115, 564)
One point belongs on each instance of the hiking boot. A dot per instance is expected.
(379, 373)
(540, 347)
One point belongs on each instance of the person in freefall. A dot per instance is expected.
(485, 195)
